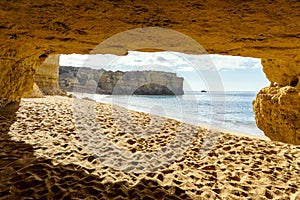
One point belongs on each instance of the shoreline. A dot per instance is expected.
(237, 133)
(45, 155)
(210, 127)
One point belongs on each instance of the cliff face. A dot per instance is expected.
(33, 30)
(75, 79)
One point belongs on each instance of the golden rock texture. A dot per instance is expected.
(35, 92)
(46, 76)
(283, 72)
(277, 108)
(33, 30)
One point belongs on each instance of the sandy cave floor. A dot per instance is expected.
(47, 152)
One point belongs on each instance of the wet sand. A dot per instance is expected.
(61, 148)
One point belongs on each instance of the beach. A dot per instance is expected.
(50, 149)
(229, 110)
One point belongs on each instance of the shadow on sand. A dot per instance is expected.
(24, 176)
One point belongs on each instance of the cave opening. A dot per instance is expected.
(221, 88)
(236, 73)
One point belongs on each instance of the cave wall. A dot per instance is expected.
(277, 107)
(33, 30)
(46, 76)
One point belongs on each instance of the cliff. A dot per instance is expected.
(74, 79)
(31, 31)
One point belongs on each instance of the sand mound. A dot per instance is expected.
(48, 151)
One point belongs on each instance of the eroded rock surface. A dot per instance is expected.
(34, 93)
(283, 71)
(33, 30)
(74, 79)
(46, 76)
(277, 107)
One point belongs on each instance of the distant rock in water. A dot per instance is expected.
(100, 81)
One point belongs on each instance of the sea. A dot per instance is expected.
(226, 111)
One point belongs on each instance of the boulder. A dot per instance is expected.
(277, 107)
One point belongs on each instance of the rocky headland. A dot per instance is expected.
(100, 81)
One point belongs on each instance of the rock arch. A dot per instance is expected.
(33, 30)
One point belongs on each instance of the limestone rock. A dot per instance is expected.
(74, 79)
(46, 76)
(284, 71)
(39, 30)
(34, 93)
(277, 107)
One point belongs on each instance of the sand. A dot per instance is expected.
(55, 148)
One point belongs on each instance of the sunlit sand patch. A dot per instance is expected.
(49, 159)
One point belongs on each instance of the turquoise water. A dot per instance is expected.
(230, 111)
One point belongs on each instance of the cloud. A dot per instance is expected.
(161, 59)
(170, 61)
(185, 69)
(86, 60)
(234, 62)
(72, 59)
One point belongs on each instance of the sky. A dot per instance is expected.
(210, 72)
